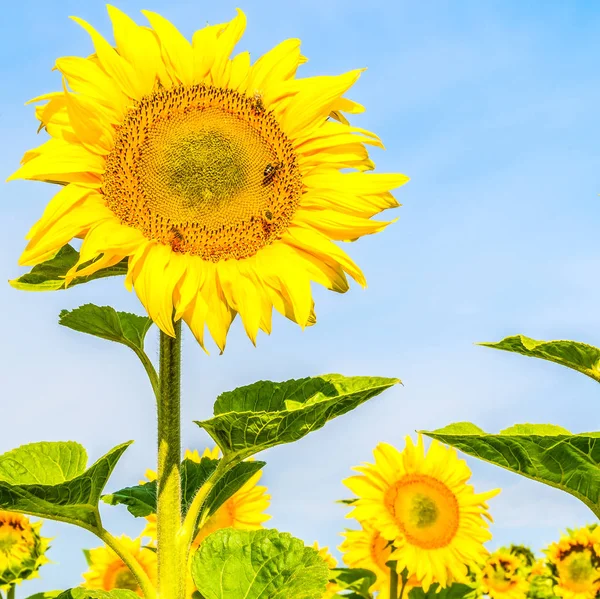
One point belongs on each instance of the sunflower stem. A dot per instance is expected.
(136, 569)
(10, 594)
(394, 583)
(171, 561)
(402, 588)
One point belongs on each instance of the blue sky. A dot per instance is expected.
(491, 109)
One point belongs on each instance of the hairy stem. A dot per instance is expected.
(132, 563)
(171, 562)
(394, 583)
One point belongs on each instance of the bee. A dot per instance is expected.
(175, 239)
(258, 103)
(270, 171)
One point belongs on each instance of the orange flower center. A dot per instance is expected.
(425, 509)
(203, 169)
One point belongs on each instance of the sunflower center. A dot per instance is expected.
(426, 511)
(205, 170)
(124, 579)
(577, 572)
(500, 576)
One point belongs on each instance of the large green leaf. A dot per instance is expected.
(357, 580)
(80, 593)
(141, 499)
(50, 480)
(107, 323)
(264, 414)
(49, 275)
(572, 354)
(454, 591)
(258, 564)
(542, 452)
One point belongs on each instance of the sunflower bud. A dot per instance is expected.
(22, 549)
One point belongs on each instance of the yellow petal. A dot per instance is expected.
(176, 49)
(314, 100)
(116, 66)
(317, 244)
(356, 183)
(225, 43)
(140, 48)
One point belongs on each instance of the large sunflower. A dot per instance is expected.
(220, 180)
(504, 576)
(22, 549)
(366, 548)
(245, 509)
(423, 504)
(107, 571)
(575, 561)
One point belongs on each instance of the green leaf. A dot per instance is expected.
(107, 323)
(141, 499)
(264, 414)
(572, 354)
(49, 275)
(542, 452)
(45, 595)
(49, 480)
(454, 591)
(253, 564)
(358, 580)
(80, 593)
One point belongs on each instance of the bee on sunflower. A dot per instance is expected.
(421, 503)
(222, 183)
(575, 563)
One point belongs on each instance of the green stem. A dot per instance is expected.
(150, 371)
(171, 562)
(402, 588)
(10, 594)
(132, 563)
(191, 521)
(394, 583)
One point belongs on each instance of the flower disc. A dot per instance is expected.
(423, 505)
(575, 560)
(223, 183)
(503, 577)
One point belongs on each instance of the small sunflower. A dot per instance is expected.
(224, 183)
(575, 562)
(245, 509)
(504, 576)
(107, 571)
(22, 549)
(366, 548)
(332, 587)
(423, 504)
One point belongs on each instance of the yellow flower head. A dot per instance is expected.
(22, 549)
(220, 180)
(366, 548)
(332, 587)
(423, 504)
(504, 576)
(575, 561)
(245, 509)
(107, 571)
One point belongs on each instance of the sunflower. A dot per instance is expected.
(504, 576)
(575, 561)
(107, 571)
(219, 180)
(423, 504)
(244, 509)
(366, 548)
(22, 549)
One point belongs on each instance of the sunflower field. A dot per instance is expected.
(222, 192)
